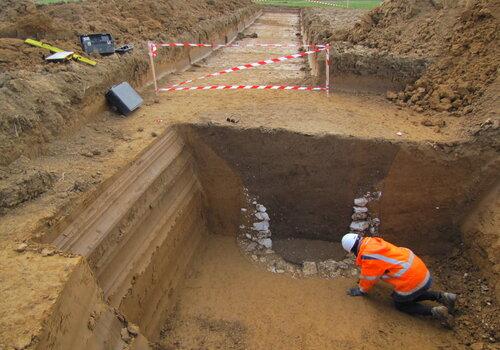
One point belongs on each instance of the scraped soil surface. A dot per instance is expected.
(246, 307)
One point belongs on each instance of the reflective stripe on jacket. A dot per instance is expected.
(397, 266)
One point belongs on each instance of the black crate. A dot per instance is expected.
(103, 44)
(124, 98)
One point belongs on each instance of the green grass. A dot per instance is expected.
(354, 4)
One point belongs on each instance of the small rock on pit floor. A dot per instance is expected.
(21, 247)
(309, 268)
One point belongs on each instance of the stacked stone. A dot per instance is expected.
(362, 222)
(261, 232)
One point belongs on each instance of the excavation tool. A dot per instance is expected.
(51, 48)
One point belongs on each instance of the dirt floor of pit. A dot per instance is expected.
(227, 302)
(83, 160)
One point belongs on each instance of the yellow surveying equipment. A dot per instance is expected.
(56, 49)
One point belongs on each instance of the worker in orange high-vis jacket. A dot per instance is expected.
(401, 268)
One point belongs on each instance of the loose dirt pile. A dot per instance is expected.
(326, 25)
(460, 41)
(39, 100)
(414, 27)
(28, 186)
(477, 322)
(131, 21)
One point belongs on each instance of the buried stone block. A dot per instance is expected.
(261, 208)
(309, 268)
(251, 247)
(261, 226)
(263, 234)
(329, 268)
(375, 222)
(360, 202)
(360, 209)
(266, 242)
(262, 216)
(359, 226)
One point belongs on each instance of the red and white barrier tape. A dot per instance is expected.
(252, 65)
(245, 87)
(232, 45)
(153, 49)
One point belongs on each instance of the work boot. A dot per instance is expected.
(448, 300)
(441, 313)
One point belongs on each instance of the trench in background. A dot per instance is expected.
(308, 183)
(141, 233)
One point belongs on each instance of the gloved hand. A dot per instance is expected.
(355, 292)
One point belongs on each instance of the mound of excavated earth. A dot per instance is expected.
(38, 100)
(458, 41)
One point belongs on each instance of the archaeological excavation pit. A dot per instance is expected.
(165, 241)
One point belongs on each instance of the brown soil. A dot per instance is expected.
(459, 41)
(129, 22)
(246, 307)
(39, 99)
(297, 250)
(227, 301)
(477, 320)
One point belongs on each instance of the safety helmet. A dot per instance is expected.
(348, 241)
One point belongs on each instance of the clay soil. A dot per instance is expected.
(244, 307)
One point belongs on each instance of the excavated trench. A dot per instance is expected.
(165, 241)
(155, 225)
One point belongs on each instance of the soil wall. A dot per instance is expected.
(139, 234)
(221, 183)
(179, 59)
(80, 319)
(482, 236)
(356, 68)
(309, 182)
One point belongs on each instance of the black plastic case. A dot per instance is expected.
(103, 44)
(124, 98)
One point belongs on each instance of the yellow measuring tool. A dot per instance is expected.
(55, 49)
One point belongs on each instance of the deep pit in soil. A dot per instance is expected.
(160, 237)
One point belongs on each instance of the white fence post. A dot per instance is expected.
(152, 53)
(327, 68)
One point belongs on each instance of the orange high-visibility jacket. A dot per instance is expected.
(398, 266)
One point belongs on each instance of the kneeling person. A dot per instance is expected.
(401, 268)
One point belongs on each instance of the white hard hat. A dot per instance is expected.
(348, 241)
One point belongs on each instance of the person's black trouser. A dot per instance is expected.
(413, 307)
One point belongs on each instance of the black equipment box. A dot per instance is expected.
(124, 49)
(124, 98)
(98, 43)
